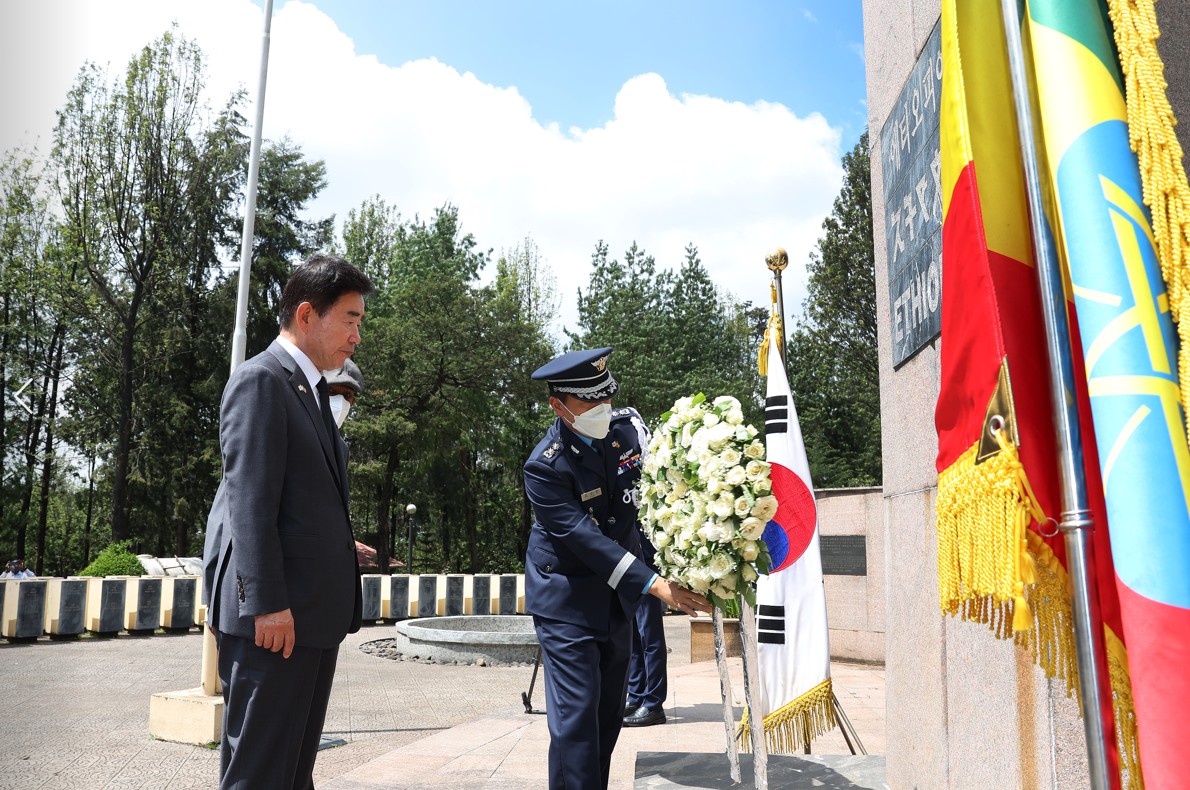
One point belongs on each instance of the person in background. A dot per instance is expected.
(345, 384)
(648, 670)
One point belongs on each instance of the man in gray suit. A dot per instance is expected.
(281, 578)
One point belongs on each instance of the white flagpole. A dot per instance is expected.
(239, 337)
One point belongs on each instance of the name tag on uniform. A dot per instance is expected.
(592, 493)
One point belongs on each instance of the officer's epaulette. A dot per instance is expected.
(625, 412)
(551, 450)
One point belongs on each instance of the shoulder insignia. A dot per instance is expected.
(625, 411)
(551, 450)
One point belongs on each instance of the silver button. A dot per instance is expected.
(611, 520)
(549, 568)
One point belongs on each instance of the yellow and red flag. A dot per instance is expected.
(1000, 558)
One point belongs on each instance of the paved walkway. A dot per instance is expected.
(76, 716)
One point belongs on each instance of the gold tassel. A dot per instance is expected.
(1151, 135)
(796, 723)
(773, 333)
(983, 513)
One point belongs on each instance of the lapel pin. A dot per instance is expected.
(301, 388)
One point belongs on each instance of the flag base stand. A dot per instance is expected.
(672, 770)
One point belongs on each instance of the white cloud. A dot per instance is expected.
(665, 170)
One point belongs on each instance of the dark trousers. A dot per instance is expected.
(273, 711)
(647, 682)
(586, 674)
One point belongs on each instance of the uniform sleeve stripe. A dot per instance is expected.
(622, 568)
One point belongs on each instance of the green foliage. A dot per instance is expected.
(674, 332)
(116, 560)
(833, 354)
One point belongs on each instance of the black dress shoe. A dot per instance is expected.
(630, 709)
(645, 717)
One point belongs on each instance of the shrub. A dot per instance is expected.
(116, 560)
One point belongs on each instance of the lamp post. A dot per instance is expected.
(410, 512)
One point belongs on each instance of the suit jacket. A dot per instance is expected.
(584, 545)
(279, 534)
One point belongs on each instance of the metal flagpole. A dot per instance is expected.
(1076, 515)
(239, 337)
(777, 261)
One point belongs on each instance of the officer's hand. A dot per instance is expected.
(675, 596)
(274, 632)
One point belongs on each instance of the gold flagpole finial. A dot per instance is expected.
(777, 260)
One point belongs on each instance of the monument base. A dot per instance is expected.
(186, 717)
(674, 770)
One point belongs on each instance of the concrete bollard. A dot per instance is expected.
(398, 604)
(370, 590)
(66, 606)
(142, 603)
(179, 594)
(508, 594)
(105, 604)
(24, 609)
(454, 595)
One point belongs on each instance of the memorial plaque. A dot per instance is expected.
(912, 169)
(454, 596)
(182, 613)
(481, 594)
(371, 595)
(398, 596)
(427, 596)
(507, 595)
(148, 605)
(72, 607)
(844, 555)
(30, 609)
(111, 605)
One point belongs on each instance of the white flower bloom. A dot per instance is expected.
(730, 581)
(729, 457)
(725, 400)
(756, 470)
(734, 417)
(718, 435)
(742, 508)
(723, 507)
(711, 419)
(762, 485)
(765, 508)
(752, 528)
(735, 476)
(714, 485)
(754, 451)
(750, 551)
(720, 565)
(748, 572)
(661, 540)
(720, 591)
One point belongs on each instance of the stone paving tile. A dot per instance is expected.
(85, 717)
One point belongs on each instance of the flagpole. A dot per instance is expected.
(1076, 520)
(239, 337)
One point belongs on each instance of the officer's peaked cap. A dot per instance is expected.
(347, 376)
(583, 374)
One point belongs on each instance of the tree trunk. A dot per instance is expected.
(52, 376)
(121, 529)
(384, 507)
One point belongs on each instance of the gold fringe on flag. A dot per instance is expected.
(773, 333)
(993, 570)
(797, 722)
(983, 513)
(1151, 135)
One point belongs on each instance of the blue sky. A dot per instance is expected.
(657, 123)
(569, 59)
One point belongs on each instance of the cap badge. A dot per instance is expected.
(600, 363)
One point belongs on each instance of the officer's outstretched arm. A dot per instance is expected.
(675, 596)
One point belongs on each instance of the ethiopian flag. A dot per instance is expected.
(1001, 560)
(1131, 349)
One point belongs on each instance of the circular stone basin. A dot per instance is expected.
(503, 639)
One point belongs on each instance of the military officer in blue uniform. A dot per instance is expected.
(583, 573)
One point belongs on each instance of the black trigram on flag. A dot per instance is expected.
(776, 414)
(770, 623)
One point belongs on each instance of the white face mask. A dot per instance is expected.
(594, 423)
(339, 409)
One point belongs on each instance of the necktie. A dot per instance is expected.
(324, 404)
